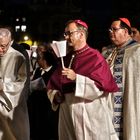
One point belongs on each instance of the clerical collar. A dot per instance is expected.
(76, 53)
(81, 50)
(45, 70)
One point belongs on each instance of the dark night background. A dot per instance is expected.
(45, 19)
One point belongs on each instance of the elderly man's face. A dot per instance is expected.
(118, 35)
(72, 35)
(5, 40)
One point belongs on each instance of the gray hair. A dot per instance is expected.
(5, 33)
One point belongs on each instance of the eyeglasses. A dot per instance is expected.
(4, 46)
(69, 33)
(114, 29)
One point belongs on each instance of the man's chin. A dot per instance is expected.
(1, 54)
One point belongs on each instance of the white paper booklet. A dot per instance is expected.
(59, 48)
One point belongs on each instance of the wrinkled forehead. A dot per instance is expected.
(115, 23)
(71, 26)
(4, 33)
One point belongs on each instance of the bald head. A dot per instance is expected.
(5, 40)
(4, 32)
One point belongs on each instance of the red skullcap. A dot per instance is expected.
(78, 21)
(126, 21)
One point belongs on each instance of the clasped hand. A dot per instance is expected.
(70, 74)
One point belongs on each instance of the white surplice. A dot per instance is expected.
(131, 106)
(13, 107)
(84, 115)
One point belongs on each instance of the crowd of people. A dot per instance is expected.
(93, 96)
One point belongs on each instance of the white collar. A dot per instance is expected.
(45, 70)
